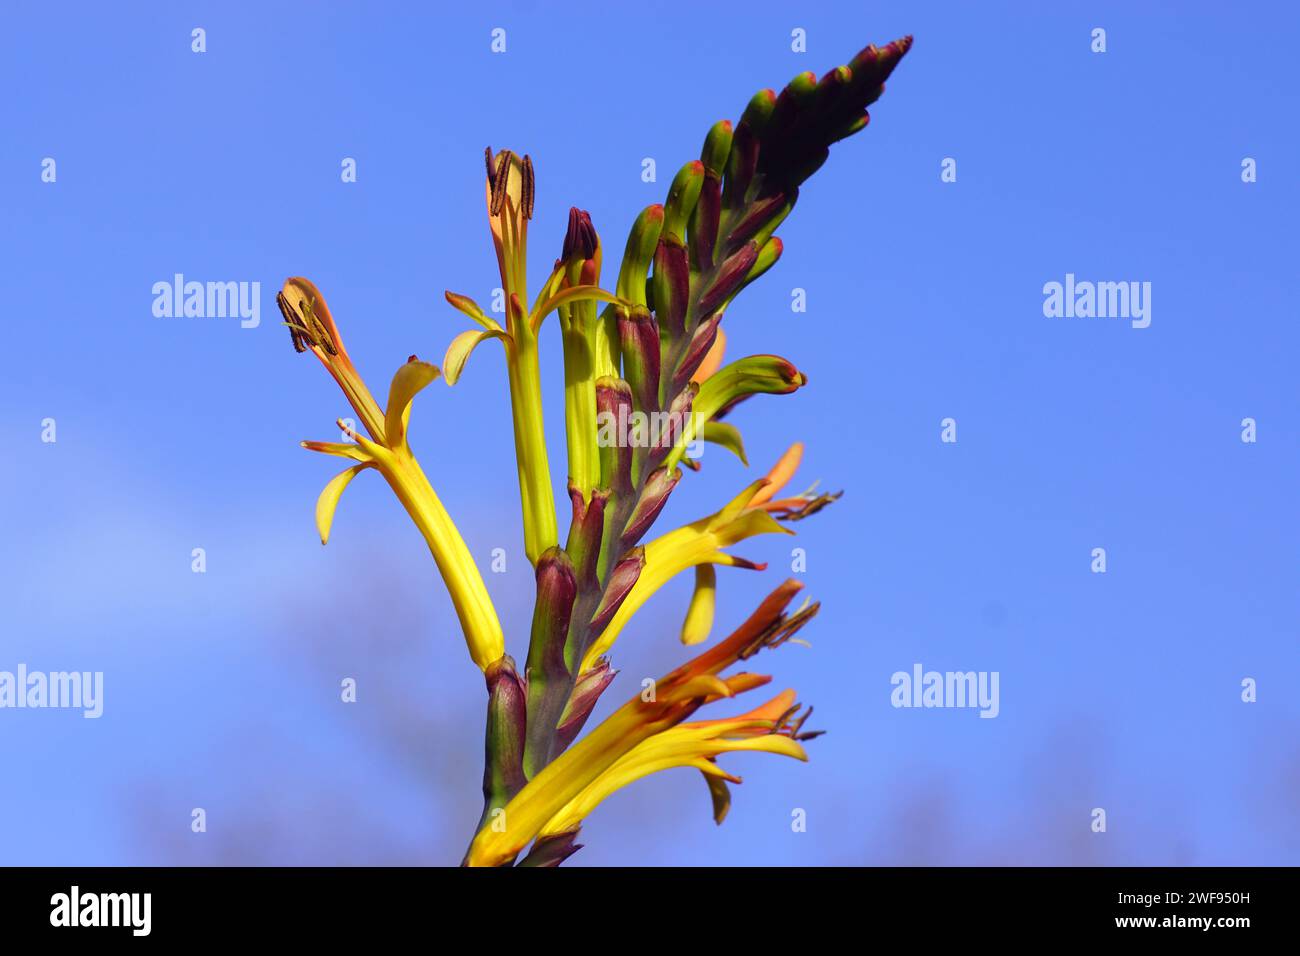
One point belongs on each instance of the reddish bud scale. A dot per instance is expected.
(549, 680)
(703, 234)
(701, 341)
(614, 406)
(621, 581)
(768, 256)
(654, 496)
(639, 339)
(585, 533)
(586, 692)
(556, 589)
(679, 411)
(671, 287)
(728, 279)
(503, 773)
(550, 851)
(760, 212)
(742, 165)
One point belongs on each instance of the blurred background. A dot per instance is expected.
(1119, 691)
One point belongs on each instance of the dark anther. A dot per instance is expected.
(527, 191)
(291, 320)
(499, 182)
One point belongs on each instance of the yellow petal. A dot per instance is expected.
(703, 685)
(743, 682)
(341, 449)
(780, 474)
(770, 711)
(725, 436)
(329, 498)
(575, 293)
(699, 615)
(471, 308)
(407, 382)
(461, 347)
(720, 793)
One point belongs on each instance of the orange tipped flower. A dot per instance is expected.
(773, 727)
(312, 327)
(796, 507)
(780, 474)
(556, 798)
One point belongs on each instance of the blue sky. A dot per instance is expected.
(924, 301)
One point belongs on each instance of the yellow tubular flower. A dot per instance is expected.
(677, 696)
(699, 544)
(690, 745)
(388, 451)
(510, 198)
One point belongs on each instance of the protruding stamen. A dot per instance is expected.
(527, 192)
(304, 326)
(291, 320)
(499, 182)
(320, 336)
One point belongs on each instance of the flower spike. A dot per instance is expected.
(644, 379)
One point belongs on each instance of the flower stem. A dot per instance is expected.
(535, 492)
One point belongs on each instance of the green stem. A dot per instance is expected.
(535, 492)
(580, 398)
